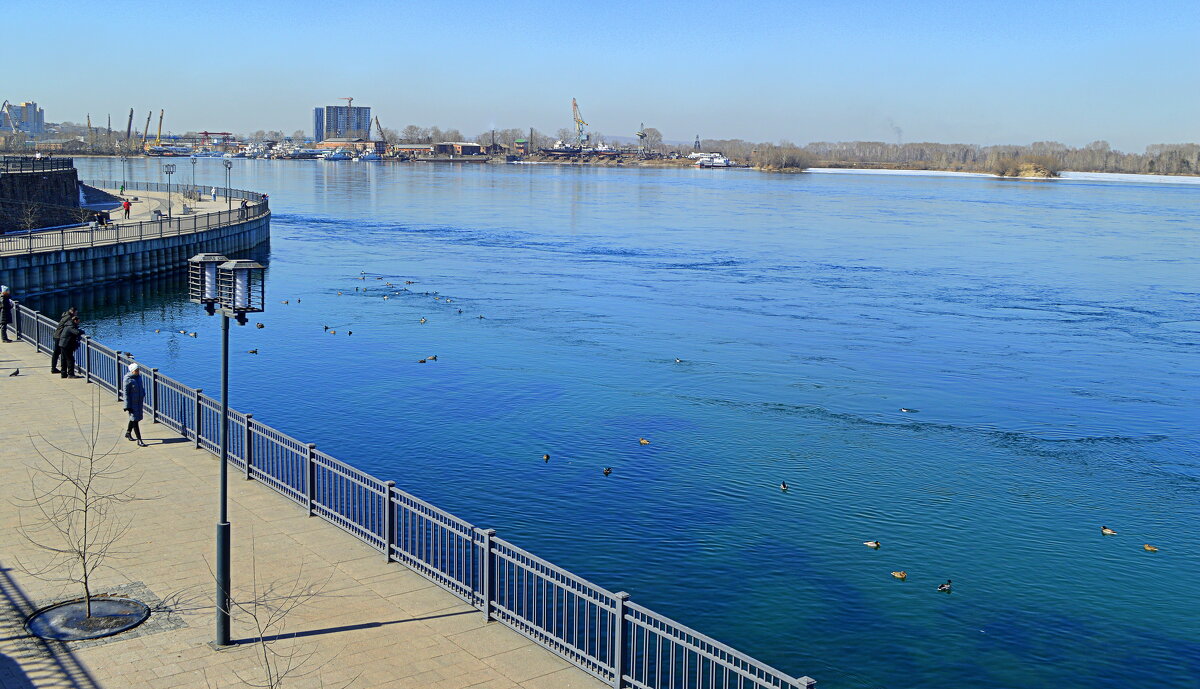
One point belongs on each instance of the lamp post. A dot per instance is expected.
(169, 169)
(228, 199)
(236, 287)
(124, 161)
(194, 161)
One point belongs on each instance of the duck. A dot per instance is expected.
(183, 332)
(260, 326)
(1107, 531)
(410, 282)
(1149, 548)
(872, 544)
(385, 296)
(607, 471)
(340, 291)
(906, 410)
(643, 441)
(678, 360)
(333, 332)
(432, 357)
(156, 330)
(349, 332)
(284, 301)
(460, 310)
(783, 486)
(252, 351)
(944, 587)
(422, 320)
(545, 458)
(191, 334)
(901, 575)
(327, 328)
(420, 361)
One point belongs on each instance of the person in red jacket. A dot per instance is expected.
(125, 207)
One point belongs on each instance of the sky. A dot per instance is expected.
(970, 71)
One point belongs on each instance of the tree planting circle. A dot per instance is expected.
(68, 621)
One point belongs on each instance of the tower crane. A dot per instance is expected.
(641, 135)
(580, 136)
(382, 136)
(12, 122)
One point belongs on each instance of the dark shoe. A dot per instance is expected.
(71, 376)
(55, 370)
(140, 443)
(128, 437)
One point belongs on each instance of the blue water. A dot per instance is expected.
(1047, 332)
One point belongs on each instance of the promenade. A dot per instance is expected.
(370, 623)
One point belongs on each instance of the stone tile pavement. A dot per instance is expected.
(370, 624)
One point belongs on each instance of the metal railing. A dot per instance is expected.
(34, 164)
(86, 235)
(602, 632)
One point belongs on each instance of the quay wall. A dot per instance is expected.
(55, 270)
(38, 198)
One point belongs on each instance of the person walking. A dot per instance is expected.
(63, 321)
(214, 194)
(126, 205)
(5, 312)
(242, 210)
(122, 190)
(69, 341)
(135, 397)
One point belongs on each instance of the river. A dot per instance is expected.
(1045, 332)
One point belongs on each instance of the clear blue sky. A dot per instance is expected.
(966, 71)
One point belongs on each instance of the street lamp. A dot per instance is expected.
(169, 168)
(228, 199)
(194, 161)
(124, 161)
(236, 287)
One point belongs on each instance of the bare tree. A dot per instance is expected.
(71, 514)
(653, 138)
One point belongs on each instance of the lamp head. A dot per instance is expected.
(241, 288)
(203, 287)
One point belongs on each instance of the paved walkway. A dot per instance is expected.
(372, 623)
(148, 201)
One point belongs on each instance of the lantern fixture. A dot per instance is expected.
(202, 280)
(240, 288)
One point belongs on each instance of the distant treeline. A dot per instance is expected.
(1098, 156)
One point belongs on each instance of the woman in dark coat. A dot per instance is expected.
(68, 342)
(5, 313)
(135, 397)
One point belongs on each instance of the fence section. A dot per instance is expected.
(88, 234)
(601, 632)
(34, 164)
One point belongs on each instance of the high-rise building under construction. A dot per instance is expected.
(332, 121)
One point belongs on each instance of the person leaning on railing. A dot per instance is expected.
(69, 341)
(63, 321)
(5, 313)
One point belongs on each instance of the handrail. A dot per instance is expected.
(34, 164)
(601, 632)
(35, 241)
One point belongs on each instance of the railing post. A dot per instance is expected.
(154, 395)
(87, 360)
(196, 420)
(618, 657)
(17, 321)
(310, 487)
(389, 520)
(487, 582)
(248, 445)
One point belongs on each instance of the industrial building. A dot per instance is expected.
(28, 117)
(341, 121)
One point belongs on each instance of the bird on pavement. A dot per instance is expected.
(16, 372)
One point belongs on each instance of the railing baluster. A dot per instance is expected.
(197, 421)
(247, 444)
(618, 639)
(310, 488)
(389, 520)
(154, 395)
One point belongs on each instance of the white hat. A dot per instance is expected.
(133, 367)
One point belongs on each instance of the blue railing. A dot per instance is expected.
(602, 632)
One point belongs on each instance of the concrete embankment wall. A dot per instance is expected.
(50, 271)
(38, 198)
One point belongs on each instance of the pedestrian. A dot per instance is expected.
(122, 190)
(126, 205)
(69, 341)
(242, 209)
(5, 312)
(214, 193)
(63, 321)
(135, 397)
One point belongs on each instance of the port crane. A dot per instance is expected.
(641, 135)
(158, 137)
(146, 129)
(7, 110)
(91, 133)
(129, 125)
(382, 136)
(580, 135)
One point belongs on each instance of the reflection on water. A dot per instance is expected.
(1040, 328)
